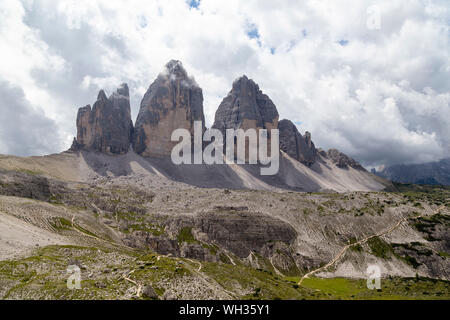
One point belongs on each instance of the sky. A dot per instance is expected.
(370, 78)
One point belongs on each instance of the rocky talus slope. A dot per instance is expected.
(186, 242)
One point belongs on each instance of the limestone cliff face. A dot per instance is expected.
(107, 127)
(174, 100)
(246, 107)
(295, 145)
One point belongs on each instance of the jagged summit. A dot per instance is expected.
(246, 106)
(295, 145)
(101, 95)
(243, 78)
(122, 90)
(175, 67)
(173, 100)
(121, 100)
(342, 160)
(107, 127)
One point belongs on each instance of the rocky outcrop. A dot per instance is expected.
(174, 100)
(295, 145)
(25, 185)
(244, 232)
(107, 127)
(205, 235)
(342, 160)
(246, 107)
(198, 251)
(144, 240)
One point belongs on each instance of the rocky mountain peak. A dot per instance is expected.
(121, 100)
(101, 95)
(175, 68)
(295, 145)
(246, 106)
(342, 160)
(107, 127)
(123, 90)
(173, 100)
(242, 81)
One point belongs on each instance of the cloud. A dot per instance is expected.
(381, 95)
(23, 130)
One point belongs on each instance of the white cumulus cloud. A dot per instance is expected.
(379, 94)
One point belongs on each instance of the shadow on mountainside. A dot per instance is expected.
(200, 175)
(292, 175)
(225, 176)
(205, 176)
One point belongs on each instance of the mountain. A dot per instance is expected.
(138, 226)
(174, 100)
(295, 145)
(434, 173)
(342, 160)
(107, 127)
(245, 107)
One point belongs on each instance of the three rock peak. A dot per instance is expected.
(175, 101)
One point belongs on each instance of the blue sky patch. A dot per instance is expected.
(253, 32)
(193, 3)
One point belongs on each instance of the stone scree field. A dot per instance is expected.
(177, 241)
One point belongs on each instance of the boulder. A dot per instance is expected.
(149, 292)
(169, 295)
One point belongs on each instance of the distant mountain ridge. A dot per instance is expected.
(434, 173)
